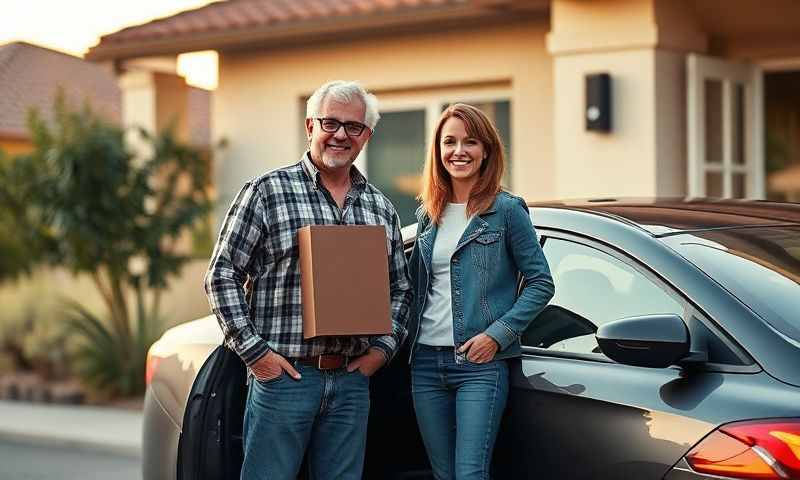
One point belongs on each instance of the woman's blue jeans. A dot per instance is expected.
(459, 407)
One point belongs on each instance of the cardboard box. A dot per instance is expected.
(345, 280)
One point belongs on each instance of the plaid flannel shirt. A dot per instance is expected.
(259, 239)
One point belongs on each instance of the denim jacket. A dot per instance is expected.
(496, 247)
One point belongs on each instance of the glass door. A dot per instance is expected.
(725, 128)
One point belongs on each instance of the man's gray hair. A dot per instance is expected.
(344, 92)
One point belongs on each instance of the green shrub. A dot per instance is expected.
(108, 360)
(84, 201)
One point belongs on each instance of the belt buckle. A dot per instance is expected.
(320, 359)
(325, 355)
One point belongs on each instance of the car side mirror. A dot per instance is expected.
(655, 341)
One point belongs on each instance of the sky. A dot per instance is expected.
(72, 26)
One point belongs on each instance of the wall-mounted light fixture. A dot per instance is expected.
(598, 102)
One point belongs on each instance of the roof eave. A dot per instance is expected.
(311, 31)
(14, 135)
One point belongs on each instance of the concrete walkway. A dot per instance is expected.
(100, 429)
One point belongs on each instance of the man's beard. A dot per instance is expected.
(336, 161)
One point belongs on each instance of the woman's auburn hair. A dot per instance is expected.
(437, 189)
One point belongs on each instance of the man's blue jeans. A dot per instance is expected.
(459, 408)
(326, 412)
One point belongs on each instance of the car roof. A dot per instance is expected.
(659, 216)
(668, 216)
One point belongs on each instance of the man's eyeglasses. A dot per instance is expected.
(331, 125)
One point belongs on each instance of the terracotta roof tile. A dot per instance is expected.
(31, 75)
(243, 14)
(243, 24)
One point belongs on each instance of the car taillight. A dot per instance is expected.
(150, 367)
(751, 449)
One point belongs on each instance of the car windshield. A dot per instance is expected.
(761, 266)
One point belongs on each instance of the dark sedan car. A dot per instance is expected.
(671, 350)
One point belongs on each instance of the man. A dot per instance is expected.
(307, 394)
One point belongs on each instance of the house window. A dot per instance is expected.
(395, 155)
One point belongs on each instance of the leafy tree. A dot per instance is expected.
(83, 200)
(21, 241)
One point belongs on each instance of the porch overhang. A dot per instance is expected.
(146, 41)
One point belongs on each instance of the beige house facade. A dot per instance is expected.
(703, 96)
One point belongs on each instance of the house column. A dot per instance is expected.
(153, 100)
(642, 45)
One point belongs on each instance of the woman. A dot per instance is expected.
(474, 240)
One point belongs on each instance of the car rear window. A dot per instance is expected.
(761, 266)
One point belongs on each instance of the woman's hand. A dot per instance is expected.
(480, 349)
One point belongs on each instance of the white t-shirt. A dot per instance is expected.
(437, 319)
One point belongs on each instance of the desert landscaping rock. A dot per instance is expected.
(32, 388)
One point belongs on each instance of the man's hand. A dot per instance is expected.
(271, 366)
(368, 363)
(480, 349)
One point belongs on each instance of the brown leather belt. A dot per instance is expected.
(326, 361)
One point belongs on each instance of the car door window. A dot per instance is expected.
(592, 288)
